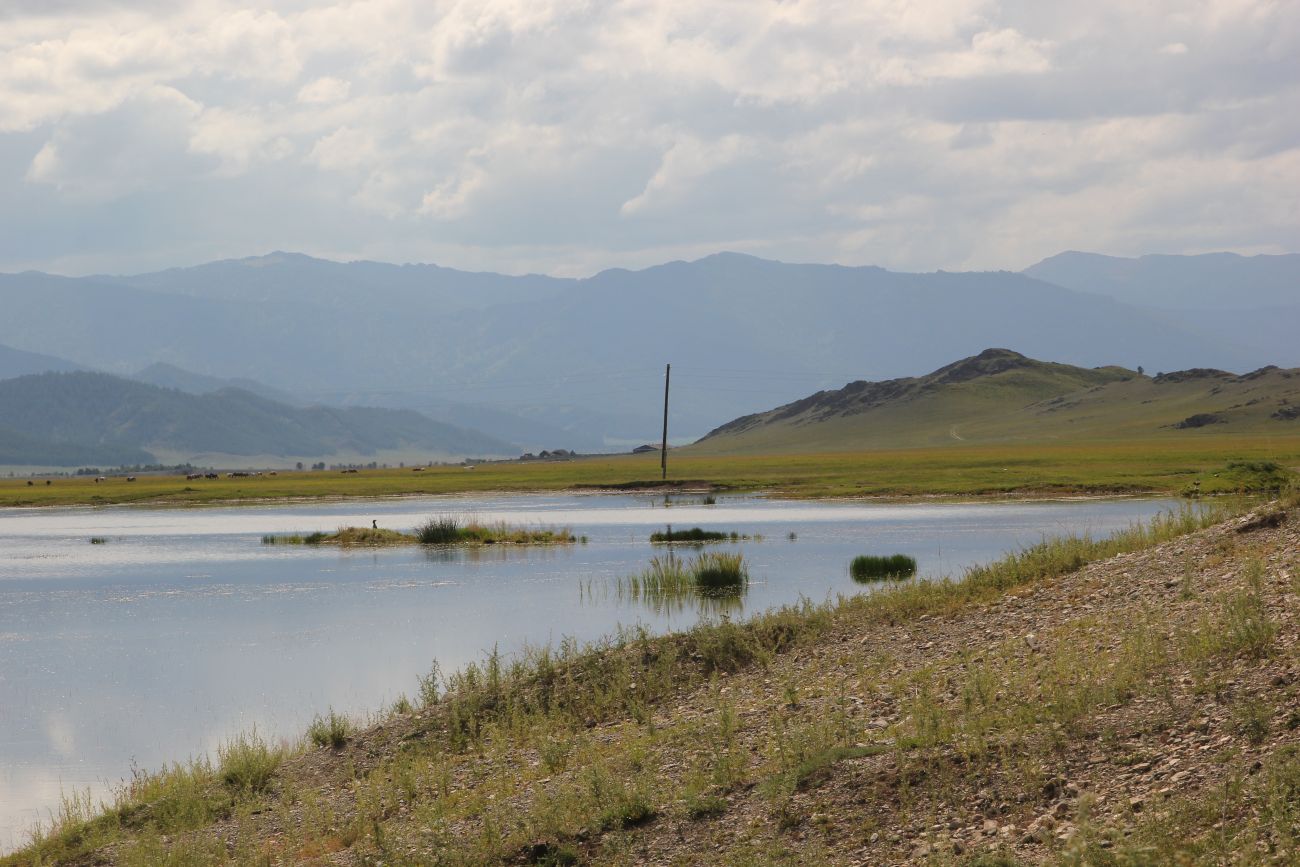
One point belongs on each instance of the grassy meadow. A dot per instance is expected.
(1161, 466)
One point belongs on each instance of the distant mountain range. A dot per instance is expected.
(1000, 396)
(77, 418)
(15, 362)
(1212, 281)
(577, 363)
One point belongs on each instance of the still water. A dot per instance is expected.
(182, 628)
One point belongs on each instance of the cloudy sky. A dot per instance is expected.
(557, 136)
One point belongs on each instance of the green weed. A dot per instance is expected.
(866, 567)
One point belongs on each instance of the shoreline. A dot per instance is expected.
(769, 494)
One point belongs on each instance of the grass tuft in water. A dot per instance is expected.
(98, 540)
(695, 535)
(718, 571)
(867, 567)
(439, 530)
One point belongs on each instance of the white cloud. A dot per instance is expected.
(325, 89)
(942, 134)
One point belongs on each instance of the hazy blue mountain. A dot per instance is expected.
(529, 434)
(16, 362)
(585, 357)
(97, 409)
(1213, 281)
(166, 375)
(20, 450)
(292, 278)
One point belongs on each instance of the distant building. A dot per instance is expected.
(640, 450)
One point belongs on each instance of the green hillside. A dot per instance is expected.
(19, 450)
(1000, 396)
(83, 413)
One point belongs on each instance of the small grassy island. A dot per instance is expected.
(699, 536)
(443, 530)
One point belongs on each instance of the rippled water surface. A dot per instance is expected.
(182, 628)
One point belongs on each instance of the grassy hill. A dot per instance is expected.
(96, 411)
(1000, 397)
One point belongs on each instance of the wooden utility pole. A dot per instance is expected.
(663, 450)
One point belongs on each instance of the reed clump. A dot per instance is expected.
(294, 538)
(451, 530)
(716, 571)
(867, 567)
(671, 581)
(695, 535)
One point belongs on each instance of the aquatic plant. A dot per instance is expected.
(98, 540)
(866, 567)
(694, 535)
(718, 571)
(440, 530)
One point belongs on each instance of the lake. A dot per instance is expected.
(183, 629)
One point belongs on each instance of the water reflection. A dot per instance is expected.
(493, 553)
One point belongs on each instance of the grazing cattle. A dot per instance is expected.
(48, 482)
(189, 477)
(130, 478)
(273, 473)
(98, 479)
(30, 483)
(417, 469)
(211, 475)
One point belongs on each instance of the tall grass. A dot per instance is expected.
(439, 530)
(294, 538)
(711, 573)
(866, 567)
(451, 530)
(664, 577)
(246, 763)
(330, 731)
(715, 571)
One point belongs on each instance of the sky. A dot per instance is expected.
(566, 137)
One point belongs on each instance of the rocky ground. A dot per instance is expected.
(1141, 709)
